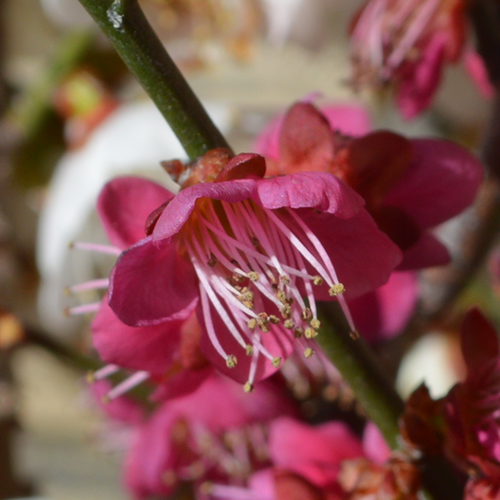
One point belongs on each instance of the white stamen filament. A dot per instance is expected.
(249, 261)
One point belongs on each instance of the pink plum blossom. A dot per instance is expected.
(409, 187)
(406, 44)
(242, 251)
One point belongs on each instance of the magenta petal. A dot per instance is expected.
(182, 383)
(428, 251)
(383, 313)
(278, 341)
(315, 453)
(363, 256)
(349, 119)
(124, 205)
(151, 284)
(441, 182)
(178, 211)
(319, 190)
(420, 79)
(374, 444)
(149, 348)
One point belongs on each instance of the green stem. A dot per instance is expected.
(358, 366)
(125, 25)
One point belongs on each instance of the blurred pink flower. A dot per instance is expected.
(215, 433)
(405, 44)
(242, 250)
(409, 186)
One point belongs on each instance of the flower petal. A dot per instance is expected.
(441, 182)
(383, 313)
(149, 348)
(315, 453)
(179, 209)
(319, 190)
(428, 251)
(363, 256)
(151, 284)
(124, 205)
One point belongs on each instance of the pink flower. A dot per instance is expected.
(242, 250)
(409, 187)
(405, 44)
(471, 408)
(215, 433)
(305, 460)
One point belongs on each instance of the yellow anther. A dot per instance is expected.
(249, 350)
(315, 323)
(254, 276)
(248, 304)
(318, 280)
(337, 289)
(252, 323)
(90, 377)
(286, 312)
(248, 387)
(310, 333)
(276, 362)
(308, 352)
(231, 361)
(289, 324)
(281, 296)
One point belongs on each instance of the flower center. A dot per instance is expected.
(254, 267)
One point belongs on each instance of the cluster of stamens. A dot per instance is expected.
(254, 268)
(387, 34)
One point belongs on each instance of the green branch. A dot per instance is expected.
(125, 25)
(361, 370)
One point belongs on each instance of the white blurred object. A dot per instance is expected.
(430, 361)
(67, 13)
(133, 139)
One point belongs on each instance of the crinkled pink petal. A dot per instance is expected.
(420, 79)
(278, 341)
(475, 67)
(374, 444)
(441, 182)
(428, 251)
(149, 348)
(179, 209)
(349, 119)
(315, 453)
(362, 255)
(124, 205)
(319, 190)
(383, 313)
(152, 283)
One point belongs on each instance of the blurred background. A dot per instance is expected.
(72, 118)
